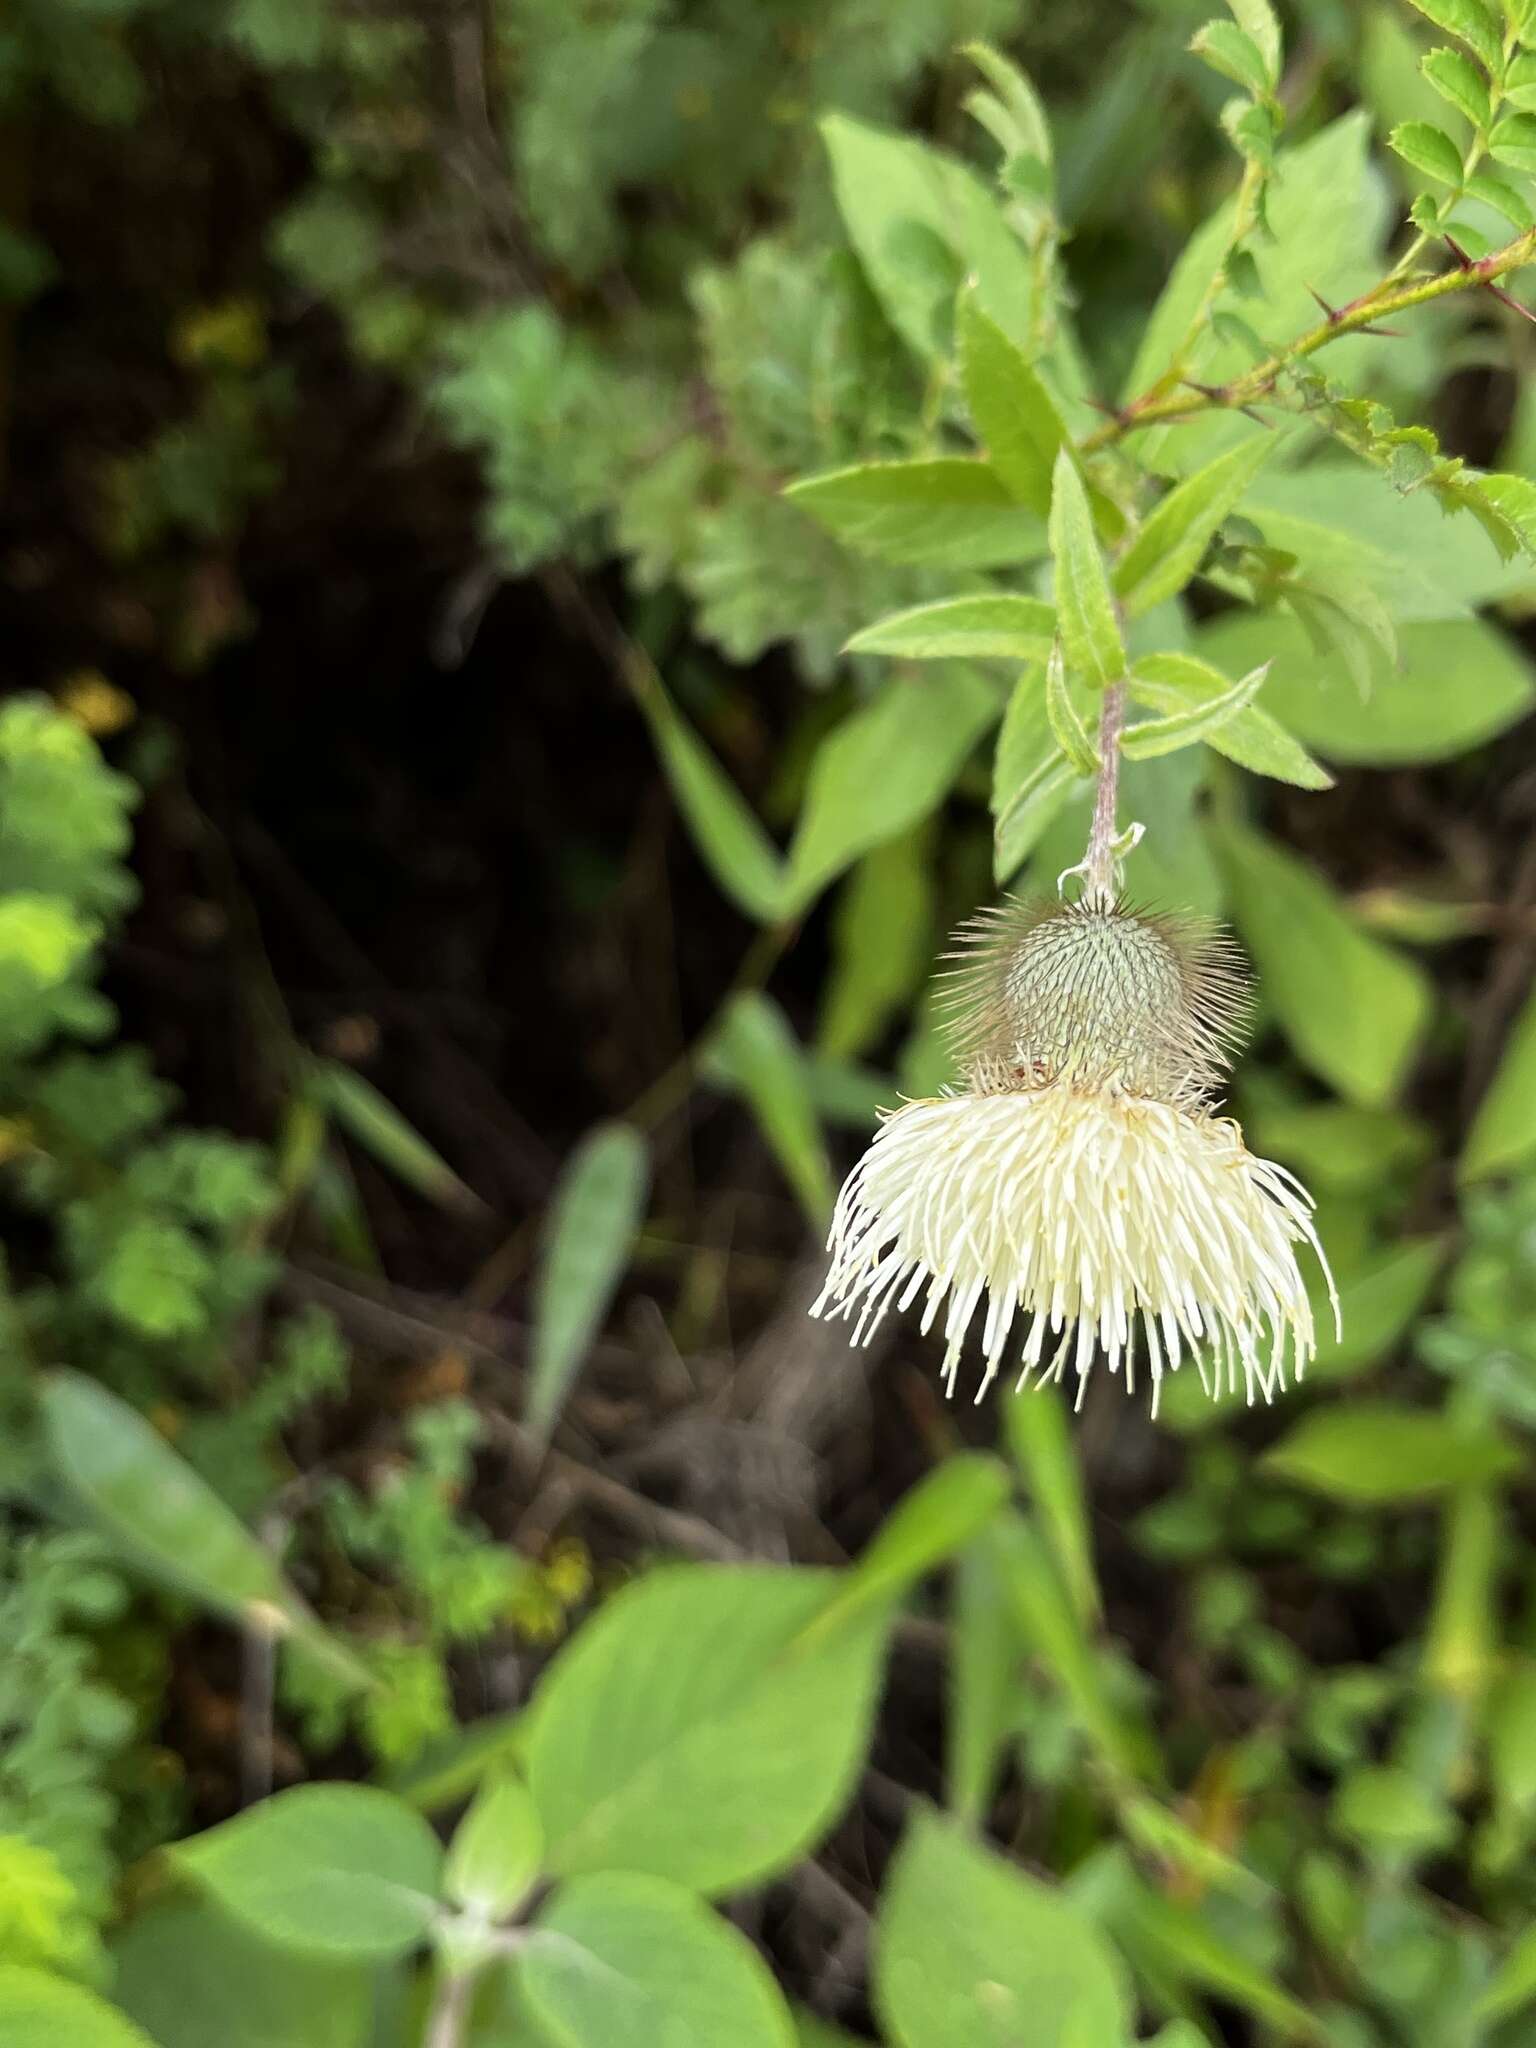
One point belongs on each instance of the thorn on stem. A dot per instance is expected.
(1334, 313)
(1458, 252)
(1216, 392)
(1508, 299)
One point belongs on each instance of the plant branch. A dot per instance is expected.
(1099, 860)
(1156, 405)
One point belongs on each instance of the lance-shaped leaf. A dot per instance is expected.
(1167, 551)
(951, 510)
(997, 626)
(1014, 413)
(1154, 736)
(1179, 683)
(1070, 733)
(1030, 780)
(1503, 1134)
(596, 1212)
(1085, 606)
(756, 1052)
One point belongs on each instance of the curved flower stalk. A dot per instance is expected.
(1079, 1195)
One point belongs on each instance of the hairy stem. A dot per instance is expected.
(1386, 299)
(1099, 860)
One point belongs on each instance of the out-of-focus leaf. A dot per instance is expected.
(1512, 1988)
(741, 856)
(1085, 606)
(984, 1657)
(922, 223)
(1377, 1452)
(935, 1519)
(1378, 1302)
(1167, 551)
(1015, 416)
(168, 1520)
(998, 626)
(39, 2010)
(972, 1953)
(373, 1122)
(594, 1217)
(1045, 1450)
(1354, 1010)
(755, 1051)
(811, 2031)
(880, 943)
(947, 510)
(329, 1870)
(494, 1856)
(714, 1769)
(1457, 684)
(621, 1961)
(1170, 1937)
(884, 768)
(1503, 1134)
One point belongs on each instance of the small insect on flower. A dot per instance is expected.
(1080, 1181)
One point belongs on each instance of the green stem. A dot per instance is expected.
(1380, 304)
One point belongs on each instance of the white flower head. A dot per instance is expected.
(1080, 1184)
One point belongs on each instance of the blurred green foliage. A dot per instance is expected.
(807, 328)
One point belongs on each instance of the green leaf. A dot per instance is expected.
(373, 1122)
(921, 223)
(813, 2032)
(951, 510)
(1169, 1939)
(1472, 22)
(620, 1961)
(997, 626)
(983, 1703)
(1044, 1448)
(42, 2011)
(594, 1218)
(1377, 1452)
(880, 944)
(1503, 1134)
(1428, 149)
(755, 1051)
(1459, 81)
(1513, 141)
(1171, 545)
(739, 853)
(1258, 21)
(718, 1768)
(1502, 197)
(1067, 727)
(1354, 1010)
(884, 768)
(1031, 782)
(1378, 1302)
(167, 1520)
(494, 1857)
(1155, 736)
(1085, 607)
(972, 1953)
(337, 1870)
(933, 1520)
(190, 1975)
(1224, 46)
(1512, 1988)
(1015, 415)
(1182, 683)
(1458, 683)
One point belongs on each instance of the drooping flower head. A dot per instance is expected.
(1080, 1185)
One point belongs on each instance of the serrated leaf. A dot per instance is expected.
(1171, 544)
(755, 1051)
(1173, 683)
(1472, 22)
(594, 1218)
(739, 853)
(1225, 47)
(1354, 1009)
(1085, 607)
(1258, 20)
(1155, 736)
(1428, 149)
(1513, 141)
(1502, 197)
(1374, 1452)
(1014, 413)
(1070, 733)
(946, 510)
(1457, 79)
(995, 627)
(1503, 1134)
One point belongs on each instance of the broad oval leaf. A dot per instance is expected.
(1015, 415)
(999, 625)
(719, 1766)
(330, 1870)
(1376, 1452)
(1168, 549)
(1085, 607)
(1183, 684)
(972, 1953)
(950, 510)
(1355, 1010)
(1428, 149)
(595, 1215)
(39, 2010)
(621, 1961)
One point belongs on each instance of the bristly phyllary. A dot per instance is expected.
(1080, 1183)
